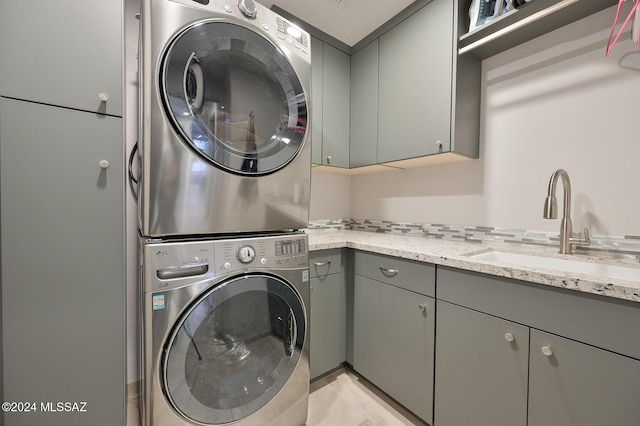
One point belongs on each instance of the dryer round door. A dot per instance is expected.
(234, 349)
(234, 97)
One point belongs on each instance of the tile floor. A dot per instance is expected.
(340, 399)
(345, 399)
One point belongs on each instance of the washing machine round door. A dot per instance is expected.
(234, 349)
(234, 97)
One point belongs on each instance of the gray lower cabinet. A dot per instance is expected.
(62, 241)
(582, 357)
(481, 369)
(63, 53)
(328, 312)
(576, 384)
(393, 329)
(330, 111)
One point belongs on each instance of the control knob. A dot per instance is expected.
(248, 8)
(246, 254)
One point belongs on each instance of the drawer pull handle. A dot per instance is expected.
(328, 262)
(509, 337)
(389, 272)
(547, 351)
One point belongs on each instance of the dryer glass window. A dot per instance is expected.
(234, 349)
(234, 97)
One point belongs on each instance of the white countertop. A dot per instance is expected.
(456, 255)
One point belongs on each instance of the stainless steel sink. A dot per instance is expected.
(604, 270)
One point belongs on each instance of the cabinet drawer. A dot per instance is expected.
(325, 262)
(410, 275)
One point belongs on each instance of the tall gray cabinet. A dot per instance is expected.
(62, 211)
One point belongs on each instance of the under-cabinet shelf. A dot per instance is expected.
(526, 23)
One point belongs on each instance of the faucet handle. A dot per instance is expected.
(581, 241)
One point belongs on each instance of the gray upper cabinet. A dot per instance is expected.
(63, 53)
(415, 84)
(363, 149)
(63, 291)
(317, 54)
(330, 129)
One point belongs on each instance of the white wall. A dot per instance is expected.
(555, 102)
(330, 196)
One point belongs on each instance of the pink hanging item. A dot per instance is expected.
(634, 10)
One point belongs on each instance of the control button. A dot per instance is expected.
(265, 27)
(228, 9)
(263, 261)
(281, 36)
(289, 40)
(227, 266)
(297, 45)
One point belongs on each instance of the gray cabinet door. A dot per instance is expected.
(481, 375)
(62, 229)
(415, 88)
(317, 54)
(363, 148)
(393, 342)
(336, 74)
(580, 385)
(63, 53)
(328, 323)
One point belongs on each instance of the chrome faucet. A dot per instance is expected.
(551, 212)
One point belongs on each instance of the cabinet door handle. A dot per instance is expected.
(547, 350)
(509, 337)
(328, 159)
(388, 271)
(328, 262)
(422, 307)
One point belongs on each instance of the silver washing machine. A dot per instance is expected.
(224, 331)
(224, 135)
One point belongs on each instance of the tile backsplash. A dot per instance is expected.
(485, 234)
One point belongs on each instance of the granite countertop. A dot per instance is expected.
(456, 254)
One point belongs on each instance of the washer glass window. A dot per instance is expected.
(234, 349)
(234, 96)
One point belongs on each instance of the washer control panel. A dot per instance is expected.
(282, 251)
(166, 265)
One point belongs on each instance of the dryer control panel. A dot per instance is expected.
(284, 32)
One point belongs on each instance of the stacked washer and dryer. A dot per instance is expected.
(225, 164)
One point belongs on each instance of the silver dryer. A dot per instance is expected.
(224, 135)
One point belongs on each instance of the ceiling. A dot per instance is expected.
(346, 20)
